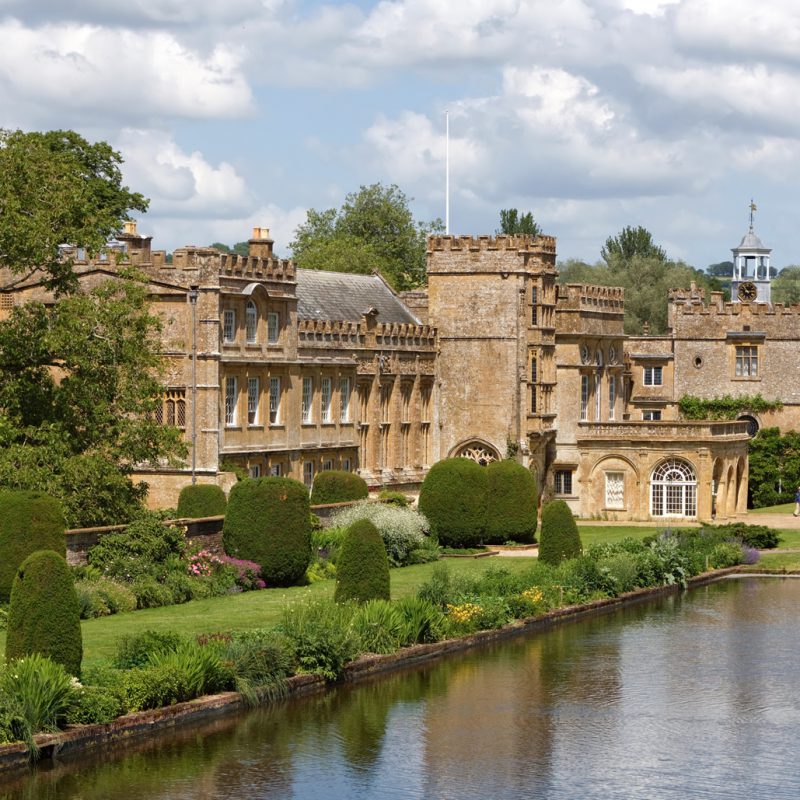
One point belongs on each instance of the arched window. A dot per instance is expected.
(478, 452)
(251, 322)
(673, 490)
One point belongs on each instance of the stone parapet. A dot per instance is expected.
(693, 431)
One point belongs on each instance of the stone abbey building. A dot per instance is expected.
(285, 371)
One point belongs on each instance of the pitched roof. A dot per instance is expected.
(345, 296)
(751, 242)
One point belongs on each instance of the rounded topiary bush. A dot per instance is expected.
(453, 499)
(338, 486)
(268, 521)
(201, 500)
(511, 510)
(44, 615)
(362, 570)
(29, 521)
(559, 539)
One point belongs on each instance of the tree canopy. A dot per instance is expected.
(56, 188)
(630, 243)
(239, 249)
(786, 287)
(79, 386)
(632, 260)
(373, 230)
(513, 223)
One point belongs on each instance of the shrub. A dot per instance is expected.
(323, 636)
(337, 486)
(44, 616)
(39, 690)
(150, 593)
(559, 538)
(94, 704)
(144, 545)
(135, 650)
(201, 500)
(511, 512)
(453, 499)
(156, 687)
(402, 529)
(759, 536)
(393, 498)
(621, 570)
(362, 571)
(726, 554)
(99, 598)
(29, 521)
(268, 522)
(201, 665)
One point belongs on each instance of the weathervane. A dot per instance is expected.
(753, 208)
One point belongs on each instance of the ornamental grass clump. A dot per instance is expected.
(29, 521)
(512, 508)
(380, 627)
(453, 499)
(201, 500)
(38, 692)
(268, 521)
(260, 662)
(44, 614)
(422, 621)
(403, 530)
(362, 570)
(559, 539)
(323, 636)
(337, 486)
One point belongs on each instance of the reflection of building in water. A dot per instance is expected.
(300, 371)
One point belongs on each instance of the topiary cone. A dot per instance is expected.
(362, 569)
(44, 615)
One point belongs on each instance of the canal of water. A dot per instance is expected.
(689, 696)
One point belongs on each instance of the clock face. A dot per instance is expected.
(747, 292)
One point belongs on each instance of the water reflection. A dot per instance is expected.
(688, 696)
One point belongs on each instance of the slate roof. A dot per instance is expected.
(343, 296)
(751, 242)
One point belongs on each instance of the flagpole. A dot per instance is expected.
(447, 173)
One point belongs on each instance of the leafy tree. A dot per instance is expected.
(239, 249)
(786, 287)
(79, 384)
(56, 188)
(512, 223)
(374, 229)
(724, 269)
(631, 242)
(774, 467)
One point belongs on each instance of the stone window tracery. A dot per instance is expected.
(478, 452)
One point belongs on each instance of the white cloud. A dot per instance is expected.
(180, 183)
(83, 71)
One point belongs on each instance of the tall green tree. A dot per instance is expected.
(56, 188)
(631, 242)
(513, 223)
(79, 385)
(786, 287)
(373, 230)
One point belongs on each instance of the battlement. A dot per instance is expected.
(405, 334)
(718, 308)
(329, 330)
(230, 264)
(517, 244)
(586, 297)
(386, 334)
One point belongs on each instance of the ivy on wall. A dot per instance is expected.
(725, 407)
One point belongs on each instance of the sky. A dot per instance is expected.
(593, 115)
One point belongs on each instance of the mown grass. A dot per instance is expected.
(250, 609)
(784, 508)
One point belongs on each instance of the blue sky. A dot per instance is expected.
(671, 114)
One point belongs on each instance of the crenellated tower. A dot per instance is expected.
(751, 275)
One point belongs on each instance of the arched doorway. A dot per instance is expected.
(673, 489)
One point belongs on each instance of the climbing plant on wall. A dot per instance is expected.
(725, 407)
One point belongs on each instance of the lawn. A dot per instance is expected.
(250, 609)
(784, 508)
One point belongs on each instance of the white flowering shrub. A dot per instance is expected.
(402, 529)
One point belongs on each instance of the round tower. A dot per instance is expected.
(751, 276)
